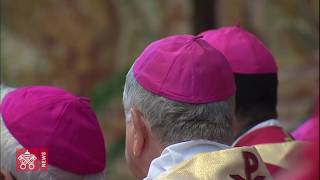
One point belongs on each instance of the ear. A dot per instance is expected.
(140, 132)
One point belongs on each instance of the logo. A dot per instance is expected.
(32, 159)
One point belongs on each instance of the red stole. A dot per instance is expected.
(264, 135)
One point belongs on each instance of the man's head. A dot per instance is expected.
(179, 89)
(255, 73)
(48, 117)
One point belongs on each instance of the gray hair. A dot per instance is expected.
(174, 122)
(8, 148)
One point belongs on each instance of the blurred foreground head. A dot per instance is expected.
(305, 163)
(48, 117)
(179, 89)
(255, 72)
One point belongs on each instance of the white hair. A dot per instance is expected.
(8, 146)
(175, 122)
(4, 90)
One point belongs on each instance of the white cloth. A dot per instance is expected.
(177, 153)
(267, 123)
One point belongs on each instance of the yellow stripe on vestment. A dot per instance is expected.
(278, 154)
(219, 165)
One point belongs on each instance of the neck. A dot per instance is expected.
(268, 122)
(244, 123)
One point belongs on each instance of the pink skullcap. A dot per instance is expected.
(185, 68)
(245, 53)
(48, 117)
(309, 130)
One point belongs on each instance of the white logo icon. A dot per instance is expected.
(27, 159)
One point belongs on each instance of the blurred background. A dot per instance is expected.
(87, 47)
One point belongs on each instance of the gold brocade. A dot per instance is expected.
(278, 153)
(219, 165)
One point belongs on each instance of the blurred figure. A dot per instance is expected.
(305, 163)
(307, 132)
(178, 102)
(255, 73)
(41, 117)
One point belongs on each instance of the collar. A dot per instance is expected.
(267, 123)
(177, 153)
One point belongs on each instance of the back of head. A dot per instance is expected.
(173, 122)
(39, 117)
(255, 72)
(179, 89)
(184, 88)
(256, 97)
